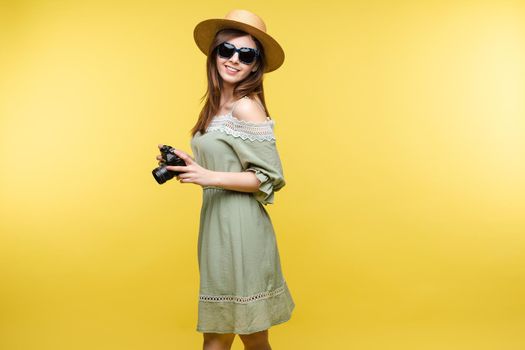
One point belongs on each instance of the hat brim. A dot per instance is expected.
(205, 31)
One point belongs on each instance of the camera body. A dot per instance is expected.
(161, 174)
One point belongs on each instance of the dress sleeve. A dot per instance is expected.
(262, 158)
(255, 146)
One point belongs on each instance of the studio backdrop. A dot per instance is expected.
(401, 129)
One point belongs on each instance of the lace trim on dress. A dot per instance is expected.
(242, 300)
(244, 129)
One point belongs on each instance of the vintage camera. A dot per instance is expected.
(161, 174)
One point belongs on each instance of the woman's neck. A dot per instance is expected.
(226, 93)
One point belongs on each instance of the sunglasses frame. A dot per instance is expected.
(239, 51)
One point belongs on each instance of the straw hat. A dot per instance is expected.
(246, 21)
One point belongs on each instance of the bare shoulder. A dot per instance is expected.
(250, 110)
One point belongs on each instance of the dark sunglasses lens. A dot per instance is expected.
(247, 56)
(226, 50)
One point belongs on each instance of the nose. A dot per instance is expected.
(235, 57)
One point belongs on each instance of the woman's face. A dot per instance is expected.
(231, 70)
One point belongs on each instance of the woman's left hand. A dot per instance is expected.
(192, 172)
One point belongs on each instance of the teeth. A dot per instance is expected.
(232, 69)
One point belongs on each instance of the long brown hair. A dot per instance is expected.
(251, 86)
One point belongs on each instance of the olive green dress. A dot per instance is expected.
(242, 288)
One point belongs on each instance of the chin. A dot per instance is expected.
(229, 80)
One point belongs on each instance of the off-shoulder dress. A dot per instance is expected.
(242, 288)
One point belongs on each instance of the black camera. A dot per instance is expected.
(161, 174)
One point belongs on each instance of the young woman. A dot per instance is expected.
(242, 288)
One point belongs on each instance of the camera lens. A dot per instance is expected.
(161, 174)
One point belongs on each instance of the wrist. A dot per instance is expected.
(217, 179)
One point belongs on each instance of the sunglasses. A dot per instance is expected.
(247, 55)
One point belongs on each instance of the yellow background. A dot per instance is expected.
(401, 127)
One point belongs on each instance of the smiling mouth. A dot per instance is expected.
(231, 69)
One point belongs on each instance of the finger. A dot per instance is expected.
(177, 168)
(185, 157)
(186, 177)
(160, 145)
(159, 158)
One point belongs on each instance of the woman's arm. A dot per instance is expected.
(244, 181)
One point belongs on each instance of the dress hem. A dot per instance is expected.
(198, 329)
